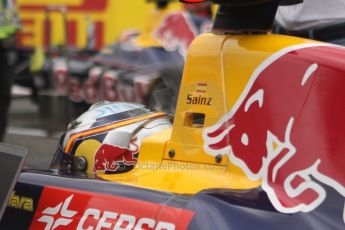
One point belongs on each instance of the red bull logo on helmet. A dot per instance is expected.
(288, 126)
(113, 159)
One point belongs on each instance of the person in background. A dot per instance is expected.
(6, 73)
(9, 24)
(314, 19)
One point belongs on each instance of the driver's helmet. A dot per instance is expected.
(107, 137)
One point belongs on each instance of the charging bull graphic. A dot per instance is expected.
(288, 126)
(114, 159)
(176, 32)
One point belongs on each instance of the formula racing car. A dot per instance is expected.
(257, 142)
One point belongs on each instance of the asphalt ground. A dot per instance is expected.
(26, 129)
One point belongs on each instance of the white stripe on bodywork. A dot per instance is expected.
(312, 68)
(258, 96)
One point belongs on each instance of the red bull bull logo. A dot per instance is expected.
(176, 32)
(287, 127)
(114, 159)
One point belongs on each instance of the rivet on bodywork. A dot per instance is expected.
(171, 153)
(218, 158)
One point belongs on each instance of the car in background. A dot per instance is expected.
(143, 67)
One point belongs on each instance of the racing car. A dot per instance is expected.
(256, 143)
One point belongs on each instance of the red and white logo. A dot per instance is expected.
(72, 209)
(59, 215)
(176, 32)
(284, 128)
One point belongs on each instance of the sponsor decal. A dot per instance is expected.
(59, 215)
(72, 209)
(101, 86)
(21, 207)
(200, 99)
(21, 202)
(30, 9)
(176, 32)
(287, 125)
(112, 159)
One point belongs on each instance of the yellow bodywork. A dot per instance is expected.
(217, 67)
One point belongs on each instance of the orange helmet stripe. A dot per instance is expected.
(104, 128)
